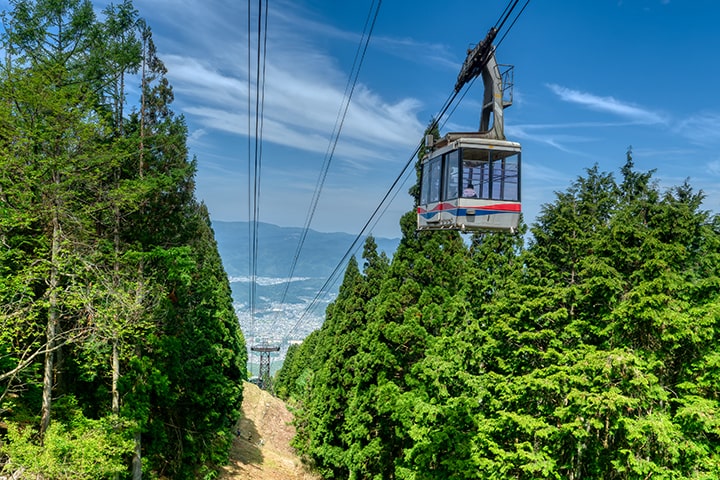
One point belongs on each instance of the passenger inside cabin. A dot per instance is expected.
(469, 191)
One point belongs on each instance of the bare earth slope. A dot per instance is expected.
(261, 449)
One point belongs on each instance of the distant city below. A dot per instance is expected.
(281, 315)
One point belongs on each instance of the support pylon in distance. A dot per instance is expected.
(264, 350)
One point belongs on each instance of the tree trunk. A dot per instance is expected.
(143, 86)
(115, 375)
(3, 199)
(116, 319)
(137, 458)
(52, 325)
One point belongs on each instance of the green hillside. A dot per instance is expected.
(589, 353)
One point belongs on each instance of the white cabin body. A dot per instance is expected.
(470, 183)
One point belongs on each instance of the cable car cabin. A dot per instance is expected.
(470, 183)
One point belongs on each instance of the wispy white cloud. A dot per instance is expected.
(572, 125)
(304, 92)
(266, 281)
(701, 128)
(656, 152)
(204, 44)
(714, 168)
(560, 141)
(437, 55)
(608, 104)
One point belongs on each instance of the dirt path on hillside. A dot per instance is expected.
(262, 449)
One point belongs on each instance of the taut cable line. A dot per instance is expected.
(353, 247)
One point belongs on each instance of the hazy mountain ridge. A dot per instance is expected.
(277, 245)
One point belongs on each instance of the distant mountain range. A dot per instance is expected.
(277, 245)
(289, 320)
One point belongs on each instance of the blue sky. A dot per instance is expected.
(591, 79)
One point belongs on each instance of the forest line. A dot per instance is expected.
(120, 350)
(590, 352)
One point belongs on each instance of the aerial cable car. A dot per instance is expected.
(470, 181)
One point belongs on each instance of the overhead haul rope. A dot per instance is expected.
(513, 22)
(353, 247)
(337, 128)
(506, 14)
(254, 168)
(249, 175)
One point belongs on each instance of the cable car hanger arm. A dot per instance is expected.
(476, 59)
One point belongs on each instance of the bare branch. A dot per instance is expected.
(65, 338)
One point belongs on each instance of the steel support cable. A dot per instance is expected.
(255, 184)
(353, 247)
(255, 169)
(260, 115)
(406, 174)
(259, 128)
(337, 129)
(331, 279)
(506, 14)
(512, 23)
(249, 173)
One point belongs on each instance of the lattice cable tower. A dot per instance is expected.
(264, 350)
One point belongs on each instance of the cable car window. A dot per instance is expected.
(435, 170)
(425, 186)
(484, 180)
(504, 174)
(430, 189)
(512, 176)
(475, 173)
(496, 174)
(452, 179)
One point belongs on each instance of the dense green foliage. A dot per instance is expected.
(119, 344)
(590, 353)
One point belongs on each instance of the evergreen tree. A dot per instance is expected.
(402, 320)
(588, 354)
(321, 436)
(195, 364)
(112, 294)
(59, 163)
(582, 359)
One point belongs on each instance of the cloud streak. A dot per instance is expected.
(714, 168)
(305, 81)
(701, 128)
(304, 90)
(610, 105)
(555, 140)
